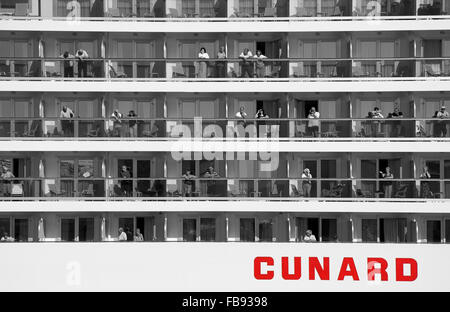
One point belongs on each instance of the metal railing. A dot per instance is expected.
(161, 69)
(48, 128)
(216, 188)
(296, 16)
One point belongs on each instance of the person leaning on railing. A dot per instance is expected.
(247, 65)
(68, 64)
(260, 66)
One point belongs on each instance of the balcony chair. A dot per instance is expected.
(118, 192)
(54, 192)
(303, 12)
(89, 192)
(137, 192)
(21, 9)
(17, 190)
(34, 129)
(113, 12)
(178, 71)
(275, 72)
(173, 13)
(236, 192)
(335, 191)
(429, 71)
(401, 192)
(337, 11)
(364, 194)
(270, 12)
(295, 191)
(114, 74)
(358, 70)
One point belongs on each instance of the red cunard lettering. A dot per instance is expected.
(400, 265)
(322, 271)
(348, 262)
(297, 269)
(257, 268)
(371, 270)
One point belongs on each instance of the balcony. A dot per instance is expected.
(187, 68)
(220, 128)
(175, 189)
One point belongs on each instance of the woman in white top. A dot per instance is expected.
(202, 65)
(309, 237)
(313, 124)
(306, 183)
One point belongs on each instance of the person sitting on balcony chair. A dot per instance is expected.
(82, 57)
(68, 64)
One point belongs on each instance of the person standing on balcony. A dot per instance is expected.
(387, 185)
(221, 64)
(132, 124)
(306, 183)
(68, 64)
(313, 123)
(188, 183)
(211, 185)
(260, 66)
(247, 65)
(138, 237)
(203, 65)
(396, 126)
(261, 114)
(309, 237)
(122, 235)
(442, 123)
(126, 185)
(376, 125)
(66, 123)
(82, 57)
(241, 115)
(425, 185)
(117, 126)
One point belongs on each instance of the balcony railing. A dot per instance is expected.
(221, 128)
(230, 187)
(221, 69)
(125, 12)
